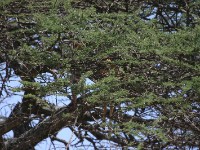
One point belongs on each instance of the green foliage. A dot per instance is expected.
(107, 90)
(195, 84)
(5, 2)
(148, 69)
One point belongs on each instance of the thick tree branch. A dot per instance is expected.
(57, 121)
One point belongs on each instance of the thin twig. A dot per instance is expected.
(70, 140)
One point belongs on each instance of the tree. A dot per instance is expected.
(143, 60)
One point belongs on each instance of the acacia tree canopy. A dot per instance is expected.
(142, 59)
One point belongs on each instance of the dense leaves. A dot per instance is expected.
(121, 72)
